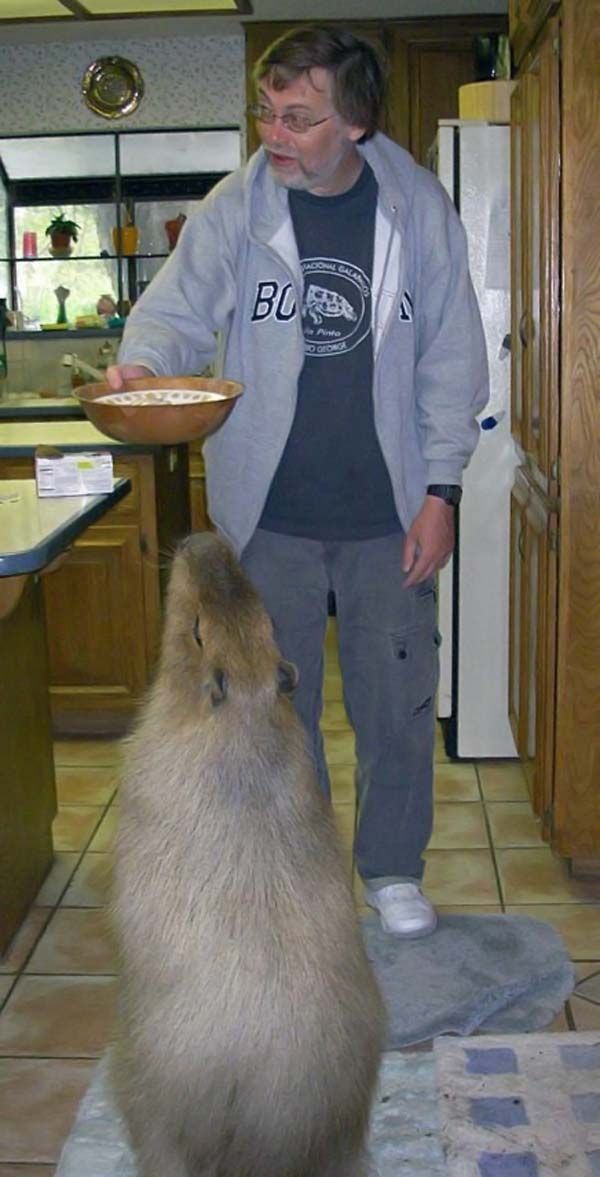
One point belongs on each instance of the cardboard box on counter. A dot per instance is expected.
(58, 474)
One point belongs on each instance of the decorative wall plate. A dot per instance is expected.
(112, 87)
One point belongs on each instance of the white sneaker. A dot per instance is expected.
(403, 909)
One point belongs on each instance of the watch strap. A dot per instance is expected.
(448, 492)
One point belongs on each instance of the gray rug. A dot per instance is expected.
(404, 1133)
(486, 973)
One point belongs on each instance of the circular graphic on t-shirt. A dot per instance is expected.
(336, 309)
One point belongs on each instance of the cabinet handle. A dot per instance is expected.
(520, 544)
(523, 329)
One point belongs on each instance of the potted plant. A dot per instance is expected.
(62, 232)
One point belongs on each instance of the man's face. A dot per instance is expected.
(323, 160)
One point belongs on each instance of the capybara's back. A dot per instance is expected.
(250, 1023)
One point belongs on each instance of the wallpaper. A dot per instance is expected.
(188, 82)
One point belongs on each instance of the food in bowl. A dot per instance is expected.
(160, 410)
(159, 396)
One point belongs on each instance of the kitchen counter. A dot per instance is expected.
(103, 605)
(21, 438)
(41, 408)
(33, 535)
(33, 531)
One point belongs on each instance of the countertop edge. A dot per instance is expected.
(36, 558)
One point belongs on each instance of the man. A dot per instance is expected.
(337, 270)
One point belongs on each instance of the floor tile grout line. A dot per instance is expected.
(42, 930)
(89, 804)
(569, 1016)
(582, 996)
(84, 849)
(490, 839)
(47, 1058)
(52, 908)
(69, 976)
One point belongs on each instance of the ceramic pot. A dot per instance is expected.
(61, 245)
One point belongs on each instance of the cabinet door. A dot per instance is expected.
(518, 235)
(27, 791)
(536, 268)
(96, 631)
(525, 19)
(198, 503)
(533, 640)
(516, 712)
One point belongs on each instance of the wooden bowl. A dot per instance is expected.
(162, 410)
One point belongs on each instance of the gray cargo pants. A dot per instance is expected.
(388, 650)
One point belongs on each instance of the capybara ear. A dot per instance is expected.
(287, 677)
(218, 689)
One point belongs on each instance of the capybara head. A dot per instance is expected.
(218, 642)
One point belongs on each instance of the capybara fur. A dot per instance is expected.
(250, 1025)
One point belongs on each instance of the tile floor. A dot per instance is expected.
(57, 979)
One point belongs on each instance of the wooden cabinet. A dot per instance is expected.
(526, 18)
(427, 61)
(198, 504)
(27, 789)
(532, 655)
(103, 604)
(536, 262)
(99, 655)
(555, 542)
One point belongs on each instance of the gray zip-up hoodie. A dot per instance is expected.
(236, 270)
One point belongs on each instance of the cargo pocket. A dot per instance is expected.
(416, 654)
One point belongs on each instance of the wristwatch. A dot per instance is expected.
(450, 494)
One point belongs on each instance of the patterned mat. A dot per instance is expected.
(404, 1137)
(520, 1105)
(510, 1105)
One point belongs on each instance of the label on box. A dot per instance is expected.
(73, 474)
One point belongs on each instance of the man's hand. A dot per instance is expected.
(117, 373)
(429, 542)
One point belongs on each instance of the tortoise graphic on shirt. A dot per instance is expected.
(320, 302)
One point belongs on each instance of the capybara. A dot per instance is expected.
(250, 1024)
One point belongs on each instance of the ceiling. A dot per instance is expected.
(85, 10)
(78, 20)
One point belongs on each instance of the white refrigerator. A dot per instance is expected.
(472, 160)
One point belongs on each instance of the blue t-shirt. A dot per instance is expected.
(332, 482)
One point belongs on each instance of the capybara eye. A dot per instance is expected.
(197, 637)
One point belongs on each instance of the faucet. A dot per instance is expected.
(70, 360)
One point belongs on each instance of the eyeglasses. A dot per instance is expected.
(296, 122)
